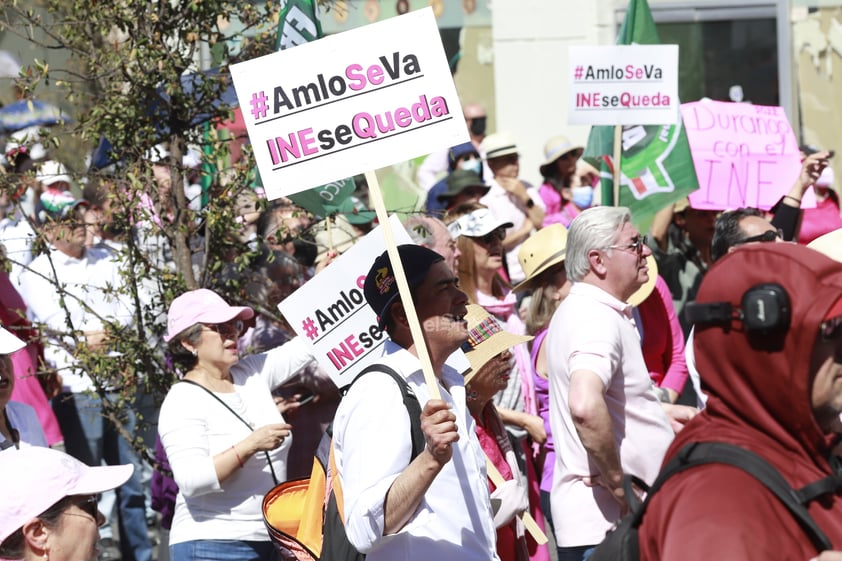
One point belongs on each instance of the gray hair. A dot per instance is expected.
(596, 228)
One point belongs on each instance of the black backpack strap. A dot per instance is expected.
(698, 453)
(410, 401)
(830, 484)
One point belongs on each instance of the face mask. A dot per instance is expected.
(582, 196)
(478, 126)
(471, 165)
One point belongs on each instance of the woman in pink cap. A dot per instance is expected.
(49, 505)
(226, 441)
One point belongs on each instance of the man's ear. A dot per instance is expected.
(596, 259)
(399, 318)
(36, 535)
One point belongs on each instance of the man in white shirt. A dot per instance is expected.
(437, 505)
(606, 418)
(70, 292)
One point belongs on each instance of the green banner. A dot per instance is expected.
(325, 199)
(297, 24)
(656, 164)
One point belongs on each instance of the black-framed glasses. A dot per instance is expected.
(765, 237)
(498, 234)
(636, 245)
(231, 328)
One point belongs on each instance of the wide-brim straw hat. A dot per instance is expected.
(644, 291)
(540, 251)
(555, 148)
(486, 338)
(830, 244)
(497, 145)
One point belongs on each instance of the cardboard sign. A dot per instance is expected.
(349, 103)
(623, 85)
(330, 312)
(745, 155)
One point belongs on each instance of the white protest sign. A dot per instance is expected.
(330, 312)
(349, 103)
(623, 85)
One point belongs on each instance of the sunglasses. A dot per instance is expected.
(88, 504)
(636, 245)
(495, 235)
(765, 237)
(228, 329)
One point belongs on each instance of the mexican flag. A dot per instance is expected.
(656, 165)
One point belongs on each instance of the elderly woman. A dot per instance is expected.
(19, 424)
(49, 507)
(488, 351)
(226, 441)
(479, 237)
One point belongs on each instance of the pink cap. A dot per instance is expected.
(36, 478)
(201, 306)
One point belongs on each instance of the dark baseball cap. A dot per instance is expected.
(381, 287)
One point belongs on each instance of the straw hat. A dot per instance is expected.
(341, 234)
(830, 244)
(555, 148)
(486, 338)
(540, 251)
(644, 291)
(497, 145)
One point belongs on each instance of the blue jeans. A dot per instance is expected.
(89, 437)
(577, 553)
(223, 550)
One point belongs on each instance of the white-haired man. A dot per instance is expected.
(607, 418)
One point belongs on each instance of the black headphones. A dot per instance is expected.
(764, 310)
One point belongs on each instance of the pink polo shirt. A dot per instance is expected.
(592, 330)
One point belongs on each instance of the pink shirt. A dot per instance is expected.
(820, 220)
(592, 330)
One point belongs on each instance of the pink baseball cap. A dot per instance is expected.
(201, 306)
(36, 478)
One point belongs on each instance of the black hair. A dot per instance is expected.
(727, 232)
(183, 359)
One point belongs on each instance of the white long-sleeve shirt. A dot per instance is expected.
(194, 427)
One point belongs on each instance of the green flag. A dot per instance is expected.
(298, 23)
(656, 165)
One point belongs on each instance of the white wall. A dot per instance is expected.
(531, 38)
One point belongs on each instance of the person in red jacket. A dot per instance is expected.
(776, 392)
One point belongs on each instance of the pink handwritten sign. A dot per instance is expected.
(745, 155)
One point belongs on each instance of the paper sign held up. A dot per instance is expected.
(623, 85)
(745, 155)
(349, 103)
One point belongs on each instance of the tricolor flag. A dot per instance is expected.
(656, 165)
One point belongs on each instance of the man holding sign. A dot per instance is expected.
(435, 506)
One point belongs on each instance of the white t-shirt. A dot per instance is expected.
(194, 427)
(592, 330)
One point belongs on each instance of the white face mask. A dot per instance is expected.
(471, 165)
(582, 197)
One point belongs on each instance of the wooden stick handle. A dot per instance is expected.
(528, 522)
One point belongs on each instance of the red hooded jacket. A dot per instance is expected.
(760, 399)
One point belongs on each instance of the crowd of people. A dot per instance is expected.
(588, 360)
